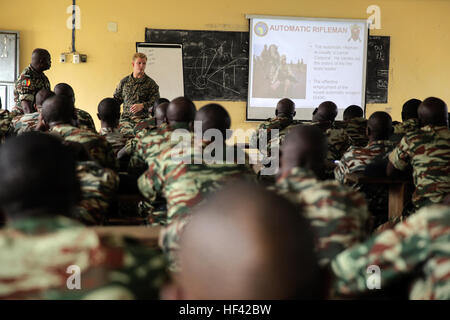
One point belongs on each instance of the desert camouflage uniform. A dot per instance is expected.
(36, 252)
(98, 190)
(356, 129)
(419, 245)
(141, 127)
(5, 121)
(149, 144)
(134, 91)
(25, 123)
(27, 86)
(273, 141)
(357, 158)
(279, 123)
(85, 120)
(409, 125)
(145, 125)
(169, 240)
(114, 137)
(97, 146)
(338, 214)
(428, 152)
(184, 185)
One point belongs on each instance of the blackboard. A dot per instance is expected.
(215, 62)
(377, 69)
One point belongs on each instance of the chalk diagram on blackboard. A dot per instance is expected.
(215, 63)
(215, 66)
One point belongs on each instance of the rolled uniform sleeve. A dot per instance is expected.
(25, 89)
(401, 155)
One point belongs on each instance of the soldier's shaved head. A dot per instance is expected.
(305, 146)
(109, 112)
(158, 101)
(214, 116)
(38, 176)
(43, 95)
(285, 108)
(64, 89)
(433, 111)
(326, 111)
(248, 243)
(379, 126)
(352, 112)
(161, 113)
(181, 109)
(409, 109)
(57, 110)
(40, 59)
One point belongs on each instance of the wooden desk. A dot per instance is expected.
(146, 235)
(397, 190)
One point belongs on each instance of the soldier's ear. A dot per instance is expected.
(98, 116)
(276, 112)
(293, 115)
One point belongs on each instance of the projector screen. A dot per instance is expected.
(307, 60)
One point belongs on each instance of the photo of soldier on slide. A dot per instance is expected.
(274, 77)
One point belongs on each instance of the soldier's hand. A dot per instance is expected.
(135, 108)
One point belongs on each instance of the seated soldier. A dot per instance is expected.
(358, 159)
(212, 164)
(109, 115)
(57, 113)
(29, 121)
(427, 151)
(40, 248)
(338, 214)
(160, 121)
(257, 247)
(337, 139)
(180, 115)
(130, 128)
(158, 113)
(410, 117)
(379, 128)
(82, 119)
(99, 188)
(355, 125)
(284, 116)
(5, 121)
(159, 117)
(417, 248)
(184, 172)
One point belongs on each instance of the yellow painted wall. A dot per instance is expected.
(419, 30)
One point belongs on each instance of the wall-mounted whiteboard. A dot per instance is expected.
(165, 66)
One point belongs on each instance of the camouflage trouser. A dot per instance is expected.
(128, 122)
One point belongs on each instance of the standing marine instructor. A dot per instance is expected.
(137, 91)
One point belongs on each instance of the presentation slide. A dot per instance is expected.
(307, 60)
